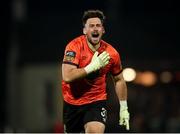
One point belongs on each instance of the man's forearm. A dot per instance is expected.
(121, 89)
(73, 74)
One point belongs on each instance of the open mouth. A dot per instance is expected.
(95, 35)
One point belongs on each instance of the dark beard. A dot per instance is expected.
(92, 42)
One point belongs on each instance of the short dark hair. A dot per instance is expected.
(93, 14)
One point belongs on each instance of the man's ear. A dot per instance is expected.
(84, 31)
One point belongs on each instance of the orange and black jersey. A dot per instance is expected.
(93, 87)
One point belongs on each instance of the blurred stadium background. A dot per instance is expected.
(33, 37)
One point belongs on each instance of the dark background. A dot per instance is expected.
(35, 32)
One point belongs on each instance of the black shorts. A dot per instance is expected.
(75, 117)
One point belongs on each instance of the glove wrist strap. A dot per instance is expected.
(123, 104)
(88, 69)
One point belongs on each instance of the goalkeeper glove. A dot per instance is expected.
(124, 114)
(97, 62)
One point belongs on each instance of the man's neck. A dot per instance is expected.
(93, 47)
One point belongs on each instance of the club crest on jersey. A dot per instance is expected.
(70, 55)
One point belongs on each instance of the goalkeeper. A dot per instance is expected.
(87, 60)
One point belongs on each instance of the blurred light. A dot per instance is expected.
(146, 78)
(129, 74)
(166, 77)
